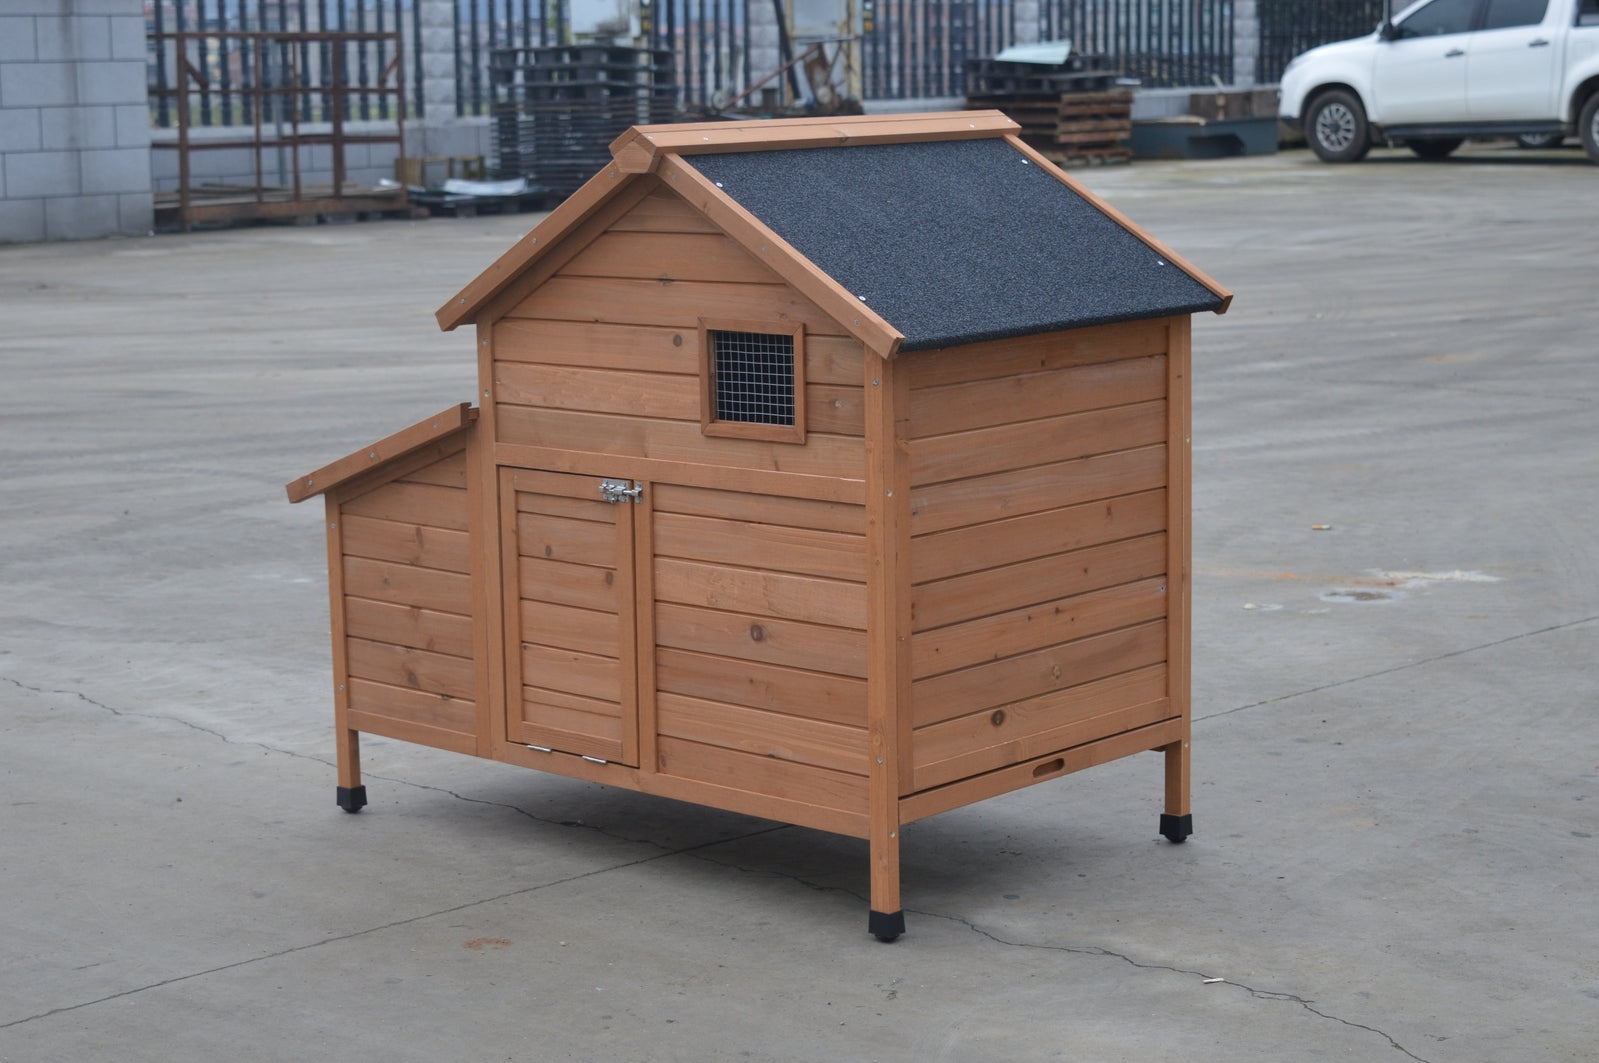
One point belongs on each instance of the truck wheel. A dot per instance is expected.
(1433, 148)
(1588, 127)
(1336, 127)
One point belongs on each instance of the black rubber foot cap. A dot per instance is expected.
(1176, 829)
(352, 798)
(886, 926)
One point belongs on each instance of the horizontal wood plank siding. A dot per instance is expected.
(603, 358)
(760, 649)
(1039, 549)
(407, 601)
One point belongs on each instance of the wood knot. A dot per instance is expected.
(757, 633)
(997, 718)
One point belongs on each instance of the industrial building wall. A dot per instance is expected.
(74, 122)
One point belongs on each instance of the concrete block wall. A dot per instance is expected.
(74, 121)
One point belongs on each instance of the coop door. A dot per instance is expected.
(571, 668)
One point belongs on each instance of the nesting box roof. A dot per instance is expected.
(913, 231)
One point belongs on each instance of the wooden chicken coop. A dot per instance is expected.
(834, 471)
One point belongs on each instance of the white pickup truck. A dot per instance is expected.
(1444, 70)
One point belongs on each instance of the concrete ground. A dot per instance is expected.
(1396, 745)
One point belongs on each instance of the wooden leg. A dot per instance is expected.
(887, 919)
(352, 795)
(1177, 822)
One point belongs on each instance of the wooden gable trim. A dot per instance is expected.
(777, 254)
(642, 146)
(577, 208)
(389, 448)
(1125, 222)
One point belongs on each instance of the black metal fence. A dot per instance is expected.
(908, 49)
(1288, 27)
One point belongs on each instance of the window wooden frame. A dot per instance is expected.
(777, 433)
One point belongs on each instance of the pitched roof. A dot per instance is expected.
(956, 242)
(913, 231)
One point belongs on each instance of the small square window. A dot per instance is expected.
(754, 382)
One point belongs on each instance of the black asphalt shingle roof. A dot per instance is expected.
(956, 242)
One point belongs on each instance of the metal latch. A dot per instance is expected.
(614, 491)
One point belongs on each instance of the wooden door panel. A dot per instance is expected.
(571, 654)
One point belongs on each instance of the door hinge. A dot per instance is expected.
(613, 491)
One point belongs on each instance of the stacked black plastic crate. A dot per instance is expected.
(557, 108)
(1078, 110)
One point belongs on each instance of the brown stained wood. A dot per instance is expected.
(1054, 439)
(971, 549)
(447, 738)
(767, 546)
(772, 510)
(799, 783)
(765, 734)
(573, 713)
(805, 277)
(1036, 396)
(679, 306)
(584, 674)
(669, 257)
(639, 651)
(523, 257)
(425, 432)
(1180, 566)
(414, 706)
(630, 348)
(579, 586)
(764, 594)
(834, 360)
(784, 642)
(702, 138)
(989, 686)
(446, 472)
(1039, 769)
(576, 542)
(425, 588)
(409, 544)
(1028, 583)
(405, 625)
(809, 486)
(849, 822)
(410, 503)
(792, 691)
(1124, 221)
(959, 503)
(974, 758)
(1045, 352)
(837, 457)
(401, 666)
(562, 626)
(992, 638)
(598, 390)
(573, 742)
(982, 741)
(347, 741)
(663, 212)
(835, 410)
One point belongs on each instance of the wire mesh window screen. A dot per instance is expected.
(753, 377)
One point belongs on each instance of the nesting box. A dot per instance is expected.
(829, 471)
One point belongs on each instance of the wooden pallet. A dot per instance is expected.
(1097, 124)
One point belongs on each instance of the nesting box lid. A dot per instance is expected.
(913, 231)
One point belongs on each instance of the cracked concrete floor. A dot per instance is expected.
(1396, 622)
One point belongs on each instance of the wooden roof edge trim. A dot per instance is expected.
(1199, 275)
(572, 212)
(777, 254)
(428, 430)
(706, 138)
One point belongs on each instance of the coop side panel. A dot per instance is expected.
(760, 653)
(1040, 523)
(602, 359)
(405, 569)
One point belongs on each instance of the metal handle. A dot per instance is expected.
(1453, 53)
